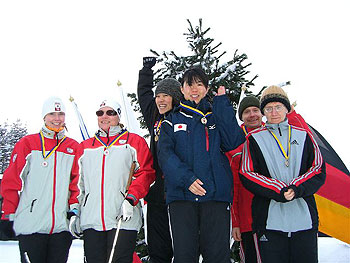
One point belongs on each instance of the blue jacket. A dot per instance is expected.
(189, 149)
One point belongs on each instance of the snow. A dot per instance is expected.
(330, 251)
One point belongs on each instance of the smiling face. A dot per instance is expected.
(275, 112)
(55, 120)
(105, 121)
(195, 92)
(252, 117)
(164, 102)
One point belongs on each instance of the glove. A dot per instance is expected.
(74, 223)
(149, 62)
(127, 210)
(6, 227)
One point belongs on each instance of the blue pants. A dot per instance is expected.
(200, 228)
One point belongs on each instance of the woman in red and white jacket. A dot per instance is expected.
(105, 163)
(39, 187)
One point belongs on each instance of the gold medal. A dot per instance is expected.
(156, 137)
(204, 120)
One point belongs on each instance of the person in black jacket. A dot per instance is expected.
(154, 107)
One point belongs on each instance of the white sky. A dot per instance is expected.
(82, 48)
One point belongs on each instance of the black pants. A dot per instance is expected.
(277, 247)
(200, 228)
(159, 242)
(248, 251)
(43, 248)
(98, 246)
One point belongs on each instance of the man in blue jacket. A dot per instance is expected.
(198, 179)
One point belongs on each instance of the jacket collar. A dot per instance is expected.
(113, 130)
(47, 133)
(282, 125)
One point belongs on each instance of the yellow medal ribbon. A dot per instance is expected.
(245, 130)
(43, 150)
(112, 142)
(284, 153)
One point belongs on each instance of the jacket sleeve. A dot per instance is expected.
(297, 120)
(312, 172)
(235, 160)
(175, 171)
(144, 173)
(13, 178)
(74, 180)
(146, 96)
(225, 120)
(253, 174)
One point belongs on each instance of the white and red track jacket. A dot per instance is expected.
(38, 192)
(104, 170)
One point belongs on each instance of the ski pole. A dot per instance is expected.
(131, 173)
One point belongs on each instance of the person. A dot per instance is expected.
(155, 107)
(40, 186)
(249, 112)
(283, 167)
(105, 163)
(198, 179)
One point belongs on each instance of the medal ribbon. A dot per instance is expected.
(43, 150)
(194, 110)
(112, 142)
(158, 125)
(245, 130)
(280, 147)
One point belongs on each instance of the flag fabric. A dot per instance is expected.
(82, 127)
(333, 198)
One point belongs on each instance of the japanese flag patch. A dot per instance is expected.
(180, 127)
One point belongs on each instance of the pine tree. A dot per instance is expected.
(205, 53)
(9, 136)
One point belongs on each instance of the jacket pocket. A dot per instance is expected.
(32, 205)
(85, 199)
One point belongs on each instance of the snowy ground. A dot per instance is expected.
(330, 251)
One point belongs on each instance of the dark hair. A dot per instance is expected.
(195, 74)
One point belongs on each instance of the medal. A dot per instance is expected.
(204, 120)
(44, 164)
(106, 152)
(286, 162)
(156, 137)
(157, 126)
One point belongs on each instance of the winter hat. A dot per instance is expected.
(113, 104)
(249, 101)
(274, 94)
(52, 104)
(171, 87)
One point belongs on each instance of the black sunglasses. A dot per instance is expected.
(100, 113)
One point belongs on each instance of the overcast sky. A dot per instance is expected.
(82, 48)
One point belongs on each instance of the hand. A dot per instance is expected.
(221, 91)
(236, 234)
(74, 226)
(6, 227)
(196, 188)
(149, 62)
(127, 210)
(289, 194)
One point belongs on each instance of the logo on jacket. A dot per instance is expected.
(122, 141)
(263, 238)
(180, 127)
(294, 142)
(211, 127)
(70, 150)
(14, 157)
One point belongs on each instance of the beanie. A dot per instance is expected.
(274, 94)
(112, 104)
(171, 87)
(52, 104)
(249, 101)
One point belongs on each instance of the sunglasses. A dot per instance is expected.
(100, 113)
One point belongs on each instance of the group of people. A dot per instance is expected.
(199, 161)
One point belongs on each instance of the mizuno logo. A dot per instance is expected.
(294, 142)
(211, 127)
(263, 238)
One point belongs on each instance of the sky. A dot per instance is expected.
(82, 48)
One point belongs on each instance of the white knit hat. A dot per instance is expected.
(113, 104)
(53, 104)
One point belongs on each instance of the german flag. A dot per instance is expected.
(333, 198)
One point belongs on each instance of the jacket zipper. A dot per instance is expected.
(102, 193)
(86, 198)
(53, 194)
(207, 138)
